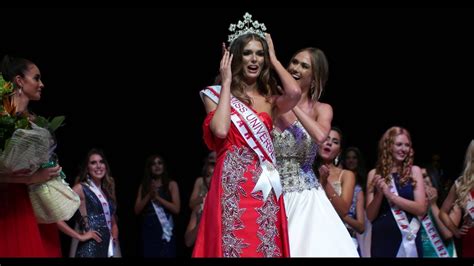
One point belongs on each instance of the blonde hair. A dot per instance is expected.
(465, 182)
(385, 157)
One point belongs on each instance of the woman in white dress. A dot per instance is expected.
(314, 228)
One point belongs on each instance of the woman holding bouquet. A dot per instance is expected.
(20, 234)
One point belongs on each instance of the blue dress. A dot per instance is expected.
(386, 236)
(153, 244)
(95, 221)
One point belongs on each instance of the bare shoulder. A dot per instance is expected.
(371, 174)
(198, 181)
(78, 189)
(77, 186)
(348, 174)
(416, 171)
(173, 185)
(321, 108)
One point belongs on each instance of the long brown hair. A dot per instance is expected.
(149, 176)
(266, 82)
(108, 182)
(385, 157)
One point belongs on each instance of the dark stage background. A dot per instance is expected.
(127, 81)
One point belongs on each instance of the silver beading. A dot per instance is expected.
(247, 26)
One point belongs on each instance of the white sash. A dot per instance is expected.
(107, 214)
(166, 225)
(409, 231)
(259, 139)
(470, 205)
(434, 237)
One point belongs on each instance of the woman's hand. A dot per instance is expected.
(271, 48)
(381, 186)
(226, 66)
(431, 195)
(44, 174)
(91, 235)
(461, 231)
(323, 174)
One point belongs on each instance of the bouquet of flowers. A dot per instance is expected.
(28, 146)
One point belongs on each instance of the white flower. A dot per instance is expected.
(247, 17)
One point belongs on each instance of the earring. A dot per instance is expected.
(336, 160)
(20, 91)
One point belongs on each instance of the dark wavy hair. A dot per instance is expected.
(14, 66)
(149, 176)
(318, 162)
(360, 171)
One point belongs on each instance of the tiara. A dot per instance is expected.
(247, 26)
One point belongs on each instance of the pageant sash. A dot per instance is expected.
(166, 224)
(470, 205)
(107, 214)
(408, 230)
(434, 237)
(255, 133)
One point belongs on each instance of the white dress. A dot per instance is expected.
(314, 227)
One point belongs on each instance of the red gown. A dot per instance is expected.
(20, 234)
(236, 222)
(468, 239)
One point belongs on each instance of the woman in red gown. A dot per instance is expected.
(239, 220)
(20, 234)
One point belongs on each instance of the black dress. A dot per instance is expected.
(153, 244)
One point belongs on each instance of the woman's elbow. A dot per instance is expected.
(447, 235)
(176, 210)
(294, 94)
(421, 212)
(189, 239)
(345, 208)
(137, 210)
(370, 216)
(221, 132)
(360, 229)
(320, 139)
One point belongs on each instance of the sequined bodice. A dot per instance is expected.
(95, 221)
(295, 152)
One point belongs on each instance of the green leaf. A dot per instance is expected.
(22, 123)
(41, 121)
(56, 122)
